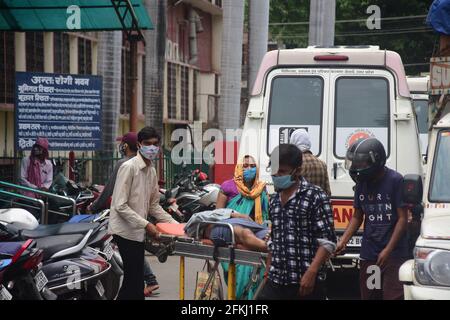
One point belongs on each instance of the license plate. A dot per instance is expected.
(4, 294)
(41, 280)
(100, 289)
(108, 251)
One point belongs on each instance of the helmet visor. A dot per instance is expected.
(359, 161)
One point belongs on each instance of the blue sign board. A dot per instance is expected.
(65, 109)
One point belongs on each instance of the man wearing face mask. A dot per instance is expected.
(36, 170)
(136, 195)
(128, 149)
(303, 236)
(379, 205)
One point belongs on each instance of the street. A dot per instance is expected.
(168, 273)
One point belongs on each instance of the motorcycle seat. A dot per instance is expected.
(54, 244)
(59, 229)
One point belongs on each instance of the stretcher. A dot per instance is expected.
(177, 243)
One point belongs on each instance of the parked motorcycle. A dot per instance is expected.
(192, 194)
(21, 277)
(71, 263)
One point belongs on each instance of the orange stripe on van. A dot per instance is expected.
(342, 213)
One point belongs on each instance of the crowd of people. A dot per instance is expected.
(294, 224)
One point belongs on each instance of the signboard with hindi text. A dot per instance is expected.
(65, 109)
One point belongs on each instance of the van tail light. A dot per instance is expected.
(331, 57)
(34, 260)
(21, 250)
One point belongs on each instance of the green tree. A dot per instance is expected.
(410, 37)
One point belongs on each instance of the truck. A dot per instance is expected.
(427, 276)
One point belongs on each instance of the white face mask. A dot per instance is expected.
(149, 152)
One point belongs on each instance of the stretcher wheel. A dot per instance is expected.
(162, 258)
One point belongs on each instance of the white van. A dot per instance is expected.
(418, 86)
(427, 276)
(338, 94)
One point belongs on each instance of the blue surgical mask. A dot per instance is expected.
(249, 174)
(149, 152)
(283, 182)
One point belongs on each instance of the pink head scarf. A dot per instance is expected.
(34, 170)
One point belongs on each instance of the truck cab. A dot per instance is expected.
(338, 94)
(427, 276)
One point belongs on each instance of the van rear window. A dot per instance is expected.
(295, 102)
(362, 111)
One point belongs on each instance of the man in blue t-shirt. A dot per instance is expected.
(378, 203)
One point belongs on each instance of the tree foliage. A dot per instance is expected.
(410, 37)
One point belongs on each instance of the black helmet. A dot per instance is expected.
(364, 159)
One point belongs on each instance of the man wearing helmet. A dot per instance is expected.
(378, 203)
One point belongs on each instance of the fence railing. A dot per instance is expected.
(98, 170)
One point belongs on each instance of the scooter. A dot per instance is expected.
(21, 277)
(73, 269)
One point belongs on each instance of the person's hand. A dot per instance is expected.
(383, 257)
(241, 216)
(307, 283)
(340, 247)
(43, 189)
(152, 231)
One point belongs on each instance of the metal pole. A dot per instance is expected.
(232, 281)
(322, 18)
(43, 193)
(182, 275)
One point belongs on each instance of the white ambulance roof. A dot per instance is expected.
(359, 56)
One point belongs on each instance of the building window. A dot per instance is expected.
(172, 90)
(35, 51)
(125, 96)
(184, 93)
(84, 56)
(7, 67)
(143, 84)
(61, 49)
(196, 114)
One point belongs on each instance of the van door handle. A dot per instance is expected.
(335, 167)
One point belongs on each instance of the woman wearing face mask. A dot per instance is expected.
(246, 194)
(36, 170)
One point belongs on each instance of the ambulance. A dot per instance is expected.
(338, 94)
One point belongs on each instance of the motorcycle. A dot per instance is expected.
(193, 194)
(21, 277)
(82, 194)
(71, 263)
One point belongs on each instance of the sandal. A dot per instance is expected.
(148, 290)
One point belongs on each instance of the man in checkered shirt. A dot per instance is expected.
(302, 237)
(313, 169)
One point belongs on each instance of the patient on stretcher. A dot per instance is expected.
(246, 232)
